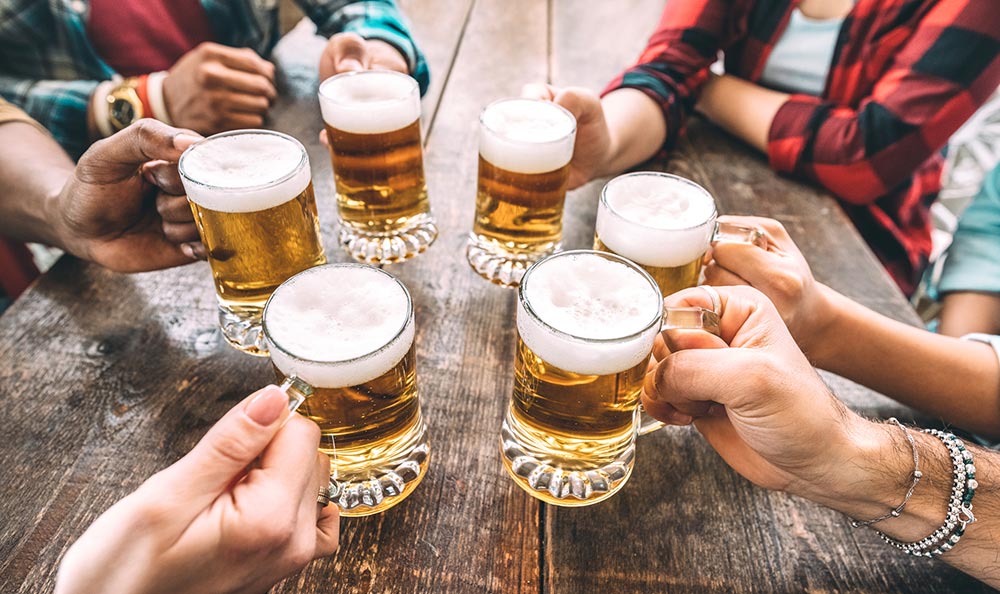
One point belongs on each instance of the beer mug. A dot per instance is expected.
(372, 121)
(525, 146)
(252, 196)
(586, 322)
(665, 224)
(345, 332)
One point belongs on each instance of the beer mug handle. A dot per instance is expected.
(681, 318)
(736, 233)
(297, 392)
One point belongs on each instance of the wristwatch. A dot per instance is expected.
(124, 104)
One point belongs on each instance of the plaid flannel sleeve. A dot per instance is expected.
(947, 69)
(371, 19)
(674, 65)
(58, 105)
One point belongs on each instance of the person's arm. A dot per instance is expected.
(948, 68)
(773, 420)
(970, 279)
(741, 108)
(377, 26)
(61, 106)
(955, 380)
(122, 206)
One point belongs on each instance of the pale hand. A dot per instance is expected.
(124, 208)
(348, 52)
(214, 88)
(780, 272)
(752, 394)
(236, 514)
(593, 148)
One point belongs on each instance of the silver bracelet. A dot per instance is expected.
(894, 513)
(963, 489)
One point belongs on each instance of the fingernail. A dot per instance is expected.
(184, 140)
(188, 251)
(351, 64)
(716, 410)
(681, 419)
(267, 406)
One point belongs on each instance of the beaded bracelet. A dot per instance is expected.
(963, 489)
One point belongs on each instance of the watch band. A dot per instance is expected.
(100, 107)
(154, 91)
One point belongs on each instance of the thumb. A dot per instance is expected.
(119, 155)
(227, 449)
(583, 103)
(350, 53)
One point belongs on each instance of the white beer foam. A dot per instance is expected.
(527, 135)
(321, 321)
(661, 221)
(232, 172)
(589, 297)
(370, 102)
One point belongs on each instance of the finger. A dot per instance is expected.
(164, 175)
(665, 412)
(327, 534)
(180, 233)
(349, 52)
(304, 541)
(219, 76)
(244, 102)
(292, 449)
(245, 60)
(760, 268)
(737, 304)
(194, 250)
(583, 103)
(700, 376)
(718, 276)
(239, 121)
(226, 450)
(773, 230)
(538, 91)
(119, 156)
(174, 209)
(323, 139)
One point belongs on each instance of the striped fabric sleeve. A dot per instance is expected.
(371, 19)
(945, 71)
(674, 65)
(58, 105)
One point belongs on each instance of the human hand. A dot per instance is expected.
(347, 52)
(214, 88)
(593, 149)
(124, 208)
(753, 395)
(236, 514)
(782, 274)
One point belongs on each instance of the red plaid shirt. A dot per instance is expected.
(905, 75)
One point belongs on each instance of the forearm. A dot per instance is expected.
(876, 475)
(741, 108)
(636, 128)
(966, 312)
(33, 170)
(955, 380)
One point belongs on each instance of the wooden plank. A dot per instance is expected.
(686, 522)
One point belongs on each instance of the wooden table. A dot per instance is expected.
(105, 378)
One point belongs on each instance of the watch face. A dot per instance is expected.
(122, 112)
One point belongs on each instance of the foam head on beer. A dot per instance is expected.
(527, 135)
(605, 313)
(370, 102)
(656, 219)
(244, 171)
(336, 326)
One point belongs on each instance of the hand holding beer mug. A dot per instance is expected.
(372, 121)
(586, 322)
(252, 196)
(525, 146)
(344, 333)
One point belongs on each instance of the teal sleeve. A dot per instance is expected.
(973, 262)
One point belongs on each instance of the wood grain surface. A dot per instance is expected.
(106, 378)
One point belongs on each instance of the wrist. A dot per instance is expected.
(821, 345)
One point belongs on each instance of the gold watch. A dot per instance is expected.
(124, 104)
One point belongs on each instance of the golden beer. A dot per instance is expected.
(252, 198)
(372, 121)
(525, 147)
(670, 278)
(586, 323)
(347, 331)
